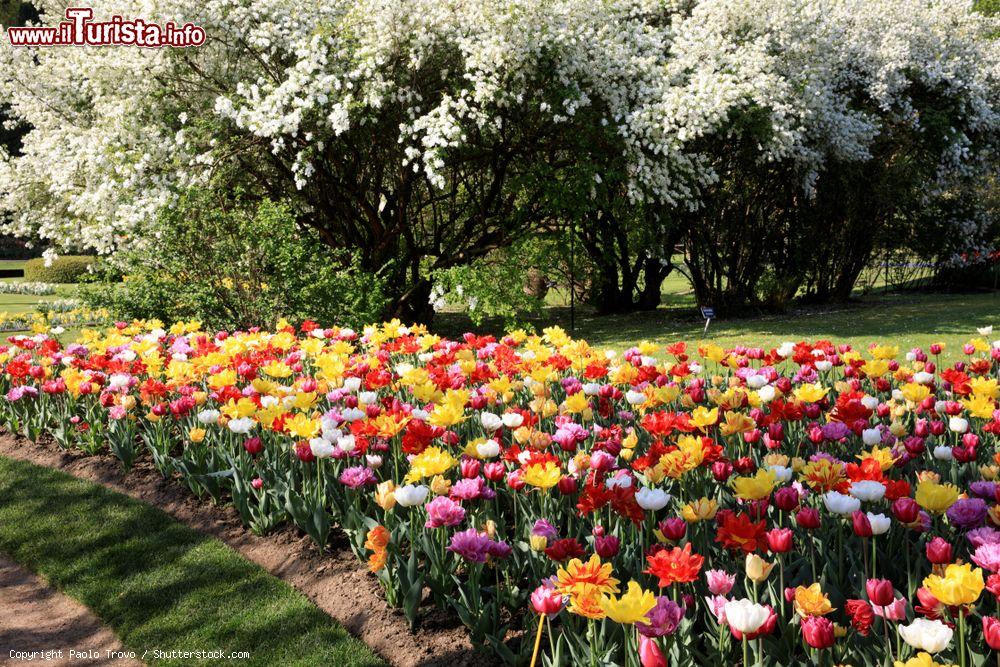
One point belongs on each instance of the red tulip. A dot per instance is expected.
(991, 632)
(721, 470)
(304, 452)
(818, 631)
(938, 551)
(606, 546)
(254, 446)
(862, 526)
(779, 540)
(673, 529)
(567, 485)
(906, 510)
(650, 654)
(786, 499)
(808, 518)
(880, 592)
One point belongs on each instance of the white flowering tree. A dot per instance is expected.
(425, 134)
(421, 133)
(865, 112)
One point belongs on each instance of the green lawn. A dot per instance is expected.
(156, 583)
(906, 319)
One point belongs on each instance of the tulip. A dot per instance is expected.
(719, 582)
(673, 529)
(862, 526)
(607, 546)
(991, 632)
(938, 552)
(757, 569)
(652, 499)
(906, 510)
(880, 591)
(745, 615)
(926, 635)
(786, 499)
(818, 632)
(808, 518)
(779, 540)
(410, 495)
(650, 654)
(253, 446)
(547, 601)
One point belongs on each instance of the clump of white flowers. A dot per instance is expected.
(116, 132)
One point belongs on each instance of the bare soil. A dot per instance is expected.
(44, 626)
(336, 581)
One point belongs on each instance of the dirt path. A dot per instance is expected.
(40, 625)
(337, 582)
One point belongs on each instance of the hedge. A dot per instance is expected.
(64, 269)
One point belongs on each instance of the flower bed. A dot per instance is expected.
(796, 505)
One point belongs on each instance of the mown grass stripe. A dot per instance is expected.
(158, 584)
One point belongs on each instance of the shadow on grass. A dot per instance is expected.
(160, 585)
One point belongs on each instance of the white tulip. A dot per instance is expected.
(241, 425)
(411, 495)
(958, 424)
(321, 449)
(652, 499)
(781, 473)
(839, 503)
(879, 522)
(926, 635)
(353, 414)
(488, 449)
(867, 490)
(512, 419)
(352, 384)
(208, 416)
(490, 421)
(346, 444)
(871, 436)
(943, 453)
(745, 616)
(635, 397)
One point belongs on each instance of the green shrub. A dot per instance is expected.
(231, 263)
(64, 269)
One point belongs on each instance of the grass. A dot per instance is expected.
(158, 584)
(904, 319)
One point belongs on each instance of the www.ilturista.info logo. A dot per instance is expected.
(79, 30)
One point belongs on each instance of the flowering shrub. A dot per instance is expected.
(424, 134)
(808, 503)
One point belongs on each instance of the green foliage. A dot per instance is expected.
(63, 269)
(493, 287)
(230, 263)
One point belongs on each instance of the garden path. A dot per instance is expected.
(36, 617)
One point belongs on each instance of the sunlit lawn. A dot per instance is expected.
(905, 319)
